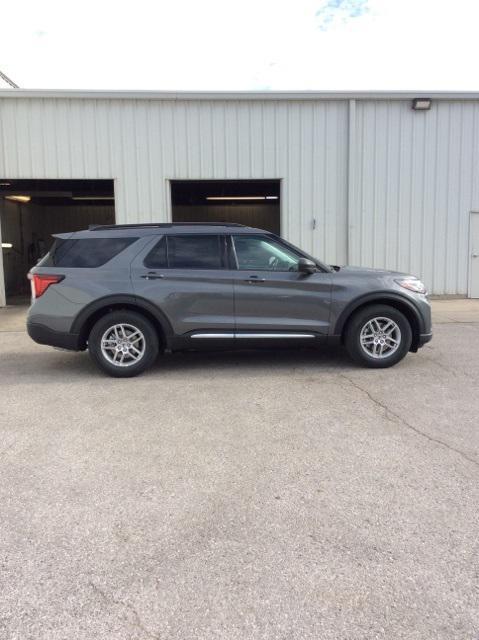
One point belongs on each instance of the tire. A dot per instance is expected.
(135, 337)
(378, 336)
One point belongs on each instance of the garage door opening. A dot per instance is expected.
(32, 210)
(255, 203)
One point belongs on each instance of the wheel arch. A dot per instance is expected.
(397, 301)
(85, 320)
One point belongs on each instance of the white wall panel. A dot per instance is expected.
(404, 193)
(416, 177)
(144, 143)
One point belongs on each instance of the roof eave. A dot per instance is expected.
(235, 95)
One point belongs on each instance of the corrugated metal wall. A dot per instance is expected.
(391, 186)
(143, 143)
(415, 182)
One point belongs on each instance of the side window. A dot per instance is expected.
(257, 253)
(84, 252)
(187, 252)
(195, 252)
(157, 258)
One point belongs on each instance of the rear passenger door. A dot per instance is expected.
(187, 276)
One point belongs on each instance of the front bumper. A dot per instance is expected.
(43, 335)
(423, 338)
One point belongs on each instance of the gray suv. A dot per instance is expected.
(126, 292)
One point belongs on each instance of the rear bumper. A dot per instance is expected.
(43, 335)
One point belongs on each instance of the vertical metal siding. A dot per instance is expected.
(142, 144)
(416, 180)
(407, 182)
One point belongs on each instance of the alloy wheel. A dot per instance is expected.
(380, 337)
(123, 345)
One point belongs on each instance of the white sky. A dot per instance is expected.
(250, 44)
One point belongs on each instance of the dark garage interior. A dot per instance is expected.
(32, 210)
(255, 203)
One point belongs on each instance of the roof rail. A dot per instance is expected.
(161, 225)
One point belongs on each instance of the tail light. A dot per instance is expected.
(40, 283)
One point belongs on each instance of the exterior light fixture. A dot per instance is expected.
(222, 198)
(7, 245)
(421, 104)
(18, 198)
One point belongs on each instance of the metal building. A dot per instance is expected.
(358, 178)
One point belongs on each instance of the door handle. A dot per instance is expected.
(153, 276)
(254, 280)
(475, 255)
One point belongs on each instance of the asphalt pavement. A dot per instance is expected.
(253, 495)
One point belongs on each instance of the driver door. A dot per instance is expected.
(270, 294)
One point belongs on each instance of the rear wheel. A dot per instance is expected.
(378, 336)
(123, 344)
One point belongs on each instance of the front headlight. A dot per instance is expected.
(413, 284)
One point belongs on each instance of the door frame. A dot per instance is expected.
(3, 297)
(474, 212)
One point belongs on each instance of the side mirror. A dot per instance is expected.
(306, 266)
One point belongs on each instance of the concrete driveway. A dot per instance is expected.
(241, 496)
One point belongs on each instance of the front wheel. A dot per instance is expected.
(123, 344)
(378, 336)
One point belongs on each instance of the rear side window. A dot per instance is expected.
(188, 252)
(157, 258)
(84, 252)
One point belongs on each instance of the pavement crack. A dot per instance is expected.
(395, 417)
(137, 619)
